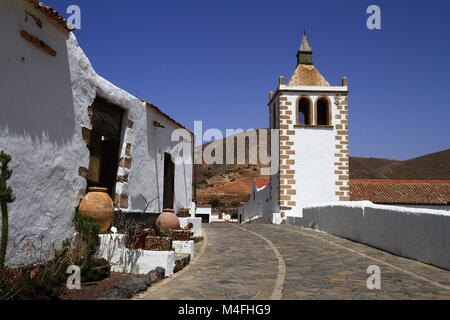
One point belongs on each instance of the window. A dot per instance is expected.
(323, 112)
(304, 112)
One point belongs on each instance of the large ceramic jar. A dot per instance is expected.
(167, 222)
(98, 205)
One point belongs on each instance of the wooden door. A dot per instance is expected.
(104, 145)
(110, 165)
(169, 182)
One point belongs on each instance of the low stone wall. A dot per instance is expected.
(419, 234)
(184, 247)
(112, 248)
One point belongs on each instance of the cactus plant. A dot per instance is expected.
(5, 198)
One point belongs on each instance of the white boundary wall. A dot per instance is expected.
(259, 208)
(419, 234)
(204, 211)
(186, 247)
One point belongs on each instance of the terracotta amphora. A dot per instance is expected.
(98, 205)
(167, 221)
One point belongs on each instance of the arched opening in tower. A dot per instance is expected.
(304, 112)
(323, 112)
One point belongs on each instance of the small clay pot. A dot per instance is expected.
(167, 221)
(98, 205)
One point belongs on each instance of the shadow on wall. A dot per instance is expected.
(152, 148)
(36, 94)
(38, 124)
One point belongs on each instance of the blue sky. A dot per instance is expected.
(216, 61)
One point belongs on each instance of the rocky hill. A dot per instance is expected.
(231, 183)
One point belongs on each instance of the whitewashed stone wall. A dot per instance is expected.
(259, 207)
(39, 128)
(419, 234)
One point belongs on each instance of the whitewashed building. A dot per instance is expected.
(259, 208)
(67, 128)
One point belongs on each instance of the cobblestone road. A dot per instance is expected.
(290, 263)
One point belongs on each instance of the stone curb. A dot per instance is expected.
(127, 289)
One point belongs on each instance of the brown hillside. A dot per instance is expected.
(229, 183)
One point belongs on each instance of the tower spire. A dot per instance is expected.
(304, 54)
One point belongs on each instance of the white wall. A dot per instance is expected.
(259, 205)
(147, 172)
(44, 105)
(314, 158)
(420, 234)
(446, 208)
(204, 211)
(38, 120)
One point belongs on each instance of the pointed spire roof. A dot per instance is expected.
(305, 46)
(304, 54)
(306, 74)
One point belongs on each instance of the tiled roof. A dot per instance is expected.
(307, 75)
(154, 107)
(51, 13)
(408, 192)
(261, 182)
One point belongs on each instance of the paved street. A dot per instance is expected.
(290, 263)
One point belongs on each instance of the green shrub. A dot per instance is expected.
(214, 203)
(83, 252)
(235, 204)
(88, 230)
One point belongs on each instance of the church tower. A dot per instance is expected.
(312, 118)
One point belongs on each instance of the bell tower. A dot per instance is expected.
(312, 118)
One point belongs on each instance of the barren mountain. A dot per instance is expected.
(229, 183)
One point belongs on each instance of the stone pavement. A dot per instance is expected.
(286, 262)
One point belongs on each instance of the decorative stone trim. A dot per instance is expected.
(38, 43)
(86, 134)
(128, 150)
(125, 163)
(286, 176)
(121, 201)
(83, 172)
(122, 179)
(342, 166)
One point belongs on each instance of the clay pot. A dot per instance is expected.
(167, 221)
(98, 205)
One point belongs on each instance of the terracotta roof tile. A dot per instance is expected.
(307, 75)
(261, 182)
(408, 192)
(51, 13)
